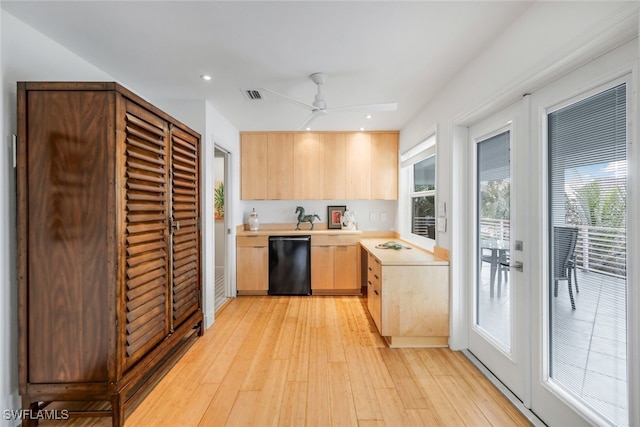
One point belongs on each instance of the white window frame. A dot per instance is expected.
(425, 149)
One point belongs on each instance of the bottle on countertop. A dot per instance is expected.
(254, 223)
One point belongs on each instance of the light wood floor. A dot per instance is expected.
(314, 361)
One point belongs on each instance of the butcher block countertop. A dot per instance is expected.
(413, 256)
(289, 230)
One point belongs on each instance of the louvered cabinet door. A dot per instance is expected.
(185, 233)
(146, 228)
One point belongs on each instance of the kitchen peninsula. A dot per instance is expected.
(408, 294)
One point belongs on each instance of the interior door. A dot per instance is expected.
(498, 291)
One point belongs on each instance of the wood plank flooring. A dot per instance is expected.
(313, 361)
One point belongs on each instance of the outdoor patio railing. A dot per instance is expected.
(602, 250)
(598, 249)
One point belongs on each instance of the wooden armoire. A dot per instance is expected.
(108, 244)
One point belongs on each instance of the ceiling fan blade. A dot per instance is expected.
(391, 106)
(311, 117)
(290, 99)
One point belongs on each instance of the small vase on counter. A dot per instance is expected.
(348, 221)
(254, 223)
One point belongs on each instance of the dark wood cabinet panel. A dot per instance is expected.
(146, 226)
(185, 234)
(108, 242)
(65, 263)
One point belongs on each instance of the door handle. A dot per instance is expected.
(517, 265)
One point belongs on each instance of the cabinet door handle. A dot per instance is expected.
(376, 276)
(376, 292)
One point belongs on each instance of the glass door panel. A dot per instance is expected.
(499, 294)
(587, 252)
(493, 196)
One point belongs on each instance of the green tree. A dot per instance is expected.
(495, 199)
(597, 205)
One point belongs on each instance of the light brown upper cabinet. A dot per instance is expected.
(335, 165)
(308, 166)
(384, 166)
(280, 166)
(319, 165)
(253, 171)
(358, 166)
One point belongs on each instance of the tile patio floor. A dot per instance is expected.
(588, 345)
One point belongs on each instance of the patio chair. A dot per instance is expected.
(498, 259)
(572, 267)
(564, 246)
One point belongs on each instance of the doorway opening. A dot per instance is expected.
(220, 168)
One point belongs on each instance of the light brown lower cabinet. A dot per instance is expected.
(335, 264)
(252, 265)
(409, 304)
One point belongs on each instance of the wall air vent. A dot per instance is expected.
(252, 94)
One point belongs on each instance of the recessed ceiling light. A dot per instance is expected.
(368, 116)
(308, 128)
(361, 129)
(206, 77)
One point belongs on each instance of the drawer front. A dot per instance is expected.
(334, 239)
(374, 290)
(375, 269)
(252, 241)
(374, 303)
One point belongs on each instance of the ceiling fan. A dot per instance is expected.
(319, 106)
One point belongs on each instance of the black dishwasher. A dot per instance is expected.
(290, 265)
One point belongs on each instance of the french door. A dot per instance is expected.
(580, 342)
(499, 290)
(550, 220)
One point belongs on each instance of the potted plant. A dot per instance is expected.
(219, 200)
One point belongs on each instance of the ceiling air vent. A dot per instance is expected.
(252, 94)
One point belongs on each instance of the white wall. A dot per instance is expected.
(219, 132)
(283, 211)
(9, 398)
(547, 41)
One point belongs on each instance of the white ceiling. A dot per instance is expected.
(373, 52)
